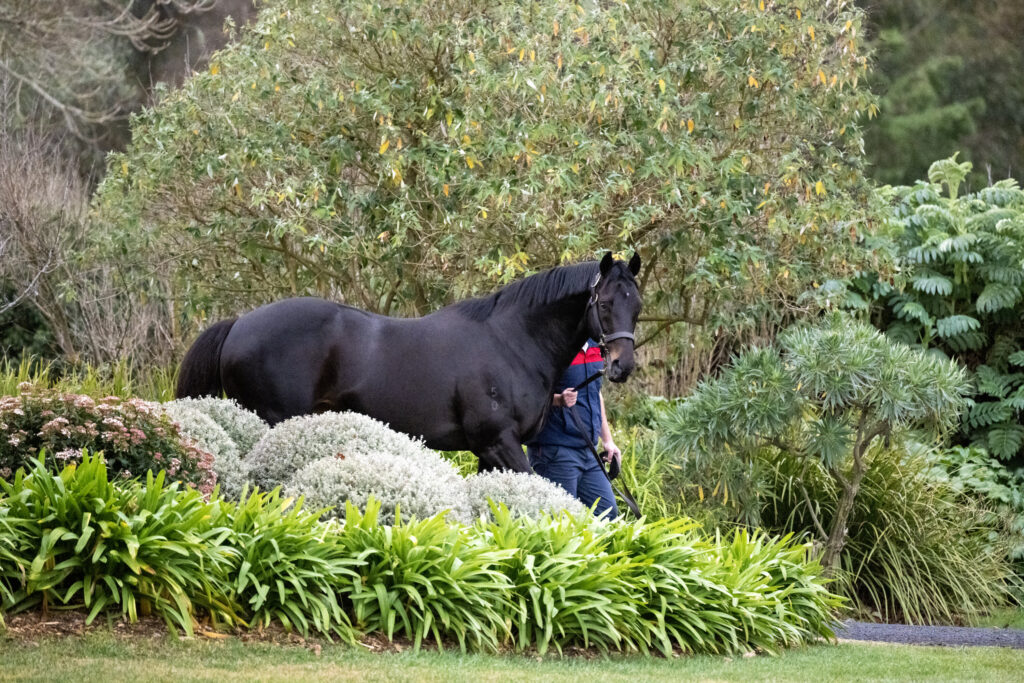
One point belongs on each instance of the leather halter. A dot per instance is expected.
(592, 311)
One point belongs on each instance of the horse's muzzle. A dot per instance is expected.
(619, 371)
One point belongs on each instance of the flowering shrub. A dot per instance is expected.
(527, 495)
(210, 437)
(242, 426)
(133, 436)
(294, 443)
(416, 489)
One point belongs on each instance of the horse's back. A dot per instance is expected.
(274, 358)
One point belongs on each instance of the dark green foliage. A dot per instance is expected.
(947, 74)
(962, 257)
(976, 476)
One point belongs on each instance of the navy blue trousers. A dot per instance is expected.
(575, 470)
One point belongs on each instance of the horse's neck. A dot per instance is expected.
(556, 331)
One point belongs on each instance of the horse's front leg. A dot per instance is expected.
(504, 453)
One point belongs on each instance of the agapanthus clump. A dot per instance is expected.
(524, 494)
(242, 426)
(212, 438)
(133, 435)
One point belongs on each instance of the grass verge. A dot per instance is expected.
(103, 656)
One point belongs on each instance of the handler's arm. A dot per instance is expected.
(606, 436)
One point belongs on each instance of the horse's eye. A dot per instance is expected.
(604, 305)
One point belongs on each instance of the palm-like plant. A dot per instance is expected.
(827, 395)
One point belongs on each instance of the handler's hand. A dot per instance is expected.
(613, 452)
(568, 397)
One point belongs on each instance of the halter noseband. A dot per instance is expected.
(603, 338)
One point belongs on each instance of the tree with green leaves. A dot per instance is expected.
(947, 74)
(960, 293)
(828, 395)
(400, 155)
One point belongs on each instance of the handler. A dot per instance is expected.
(560, 453)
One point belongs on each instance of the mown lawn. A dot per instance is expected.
(104, 657)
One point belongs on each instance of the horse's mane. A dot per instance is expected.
(536, 290)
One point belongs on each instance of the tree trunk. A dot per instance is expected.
(833, 552)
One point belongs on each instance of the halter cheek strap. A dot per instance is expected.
(592, 309)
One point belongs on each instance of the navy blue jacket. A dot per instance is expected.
(559, 428)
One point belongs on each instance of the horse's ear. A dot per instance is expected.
(634, 264)
(606, 263)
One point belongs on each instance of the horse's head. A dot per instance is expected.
(614, 306)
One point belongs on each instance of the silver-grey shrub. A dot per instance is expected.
(376, 459)
(416, 489)
(212, 438)
(524, 494)
(291, 445)
(244, 427)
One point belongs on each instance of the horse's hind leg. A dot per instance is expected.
(505, 453)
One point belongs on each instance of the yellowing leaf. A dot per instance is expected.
(798, 14)
(556, 27)
(819, 188)
(559, 61)
(661, 85)
(700, 493)
(533, 56)
(483, 213)
(821, 77)
(689, 125)
(522, 53)
(810, 32)
(445, 189)
(215, 69)
(469, 162)
(760, 5)
(384, 145)
(752, 82)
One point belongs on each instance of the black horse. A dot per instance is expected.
(476, 375)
